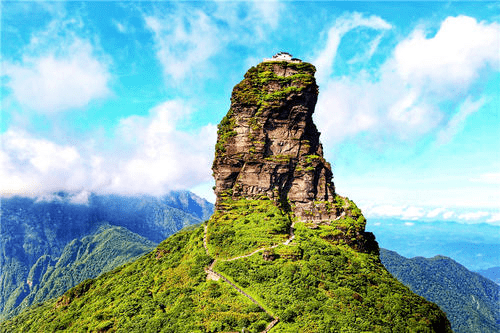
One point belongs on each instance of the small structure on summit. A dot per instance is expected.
(282, 56)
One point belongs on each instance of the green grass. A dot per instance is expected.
(246, 225)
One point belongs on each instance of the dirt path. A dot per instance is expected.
(213, 275)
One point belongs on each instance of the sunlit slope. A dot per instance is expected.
(471, 302)
(314, 283)
(51, 276)
(166, 290)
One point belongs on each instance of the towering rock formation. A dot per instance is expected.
(268, 144)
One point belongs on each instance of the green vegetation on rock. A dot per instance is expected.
(242, 226)
(258, 90)
(251, 91)
(224, 132)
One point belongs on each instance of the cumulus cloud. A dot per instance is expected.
(149, 155)
(401, 98)
(31, 166)
(435, 212)
(453, 58)
(448, 215)
(163, 158)
(385, 210)
(57, 73)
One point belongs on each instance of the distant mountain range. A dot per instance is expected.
(492, 273)
(471, 302)
(51, 243)
(473, 245)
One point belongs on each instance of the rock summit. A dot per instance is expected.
(268, 144)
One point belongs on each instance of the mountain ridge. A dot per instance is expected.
(471, 301)
(296, 250)
(35, 233)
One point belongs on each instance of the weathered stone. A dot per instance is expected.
(268, 144)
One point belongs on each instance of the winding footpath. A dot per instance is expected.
(213, 275)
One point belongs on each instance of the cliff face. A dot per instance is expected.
(269, 146)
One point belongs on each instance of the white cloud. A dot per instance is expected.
(401, 211)
(366, 56)
(429, 214)
(385, 210)
(448, 215)
(121, 27)
(81, 198)
(185, 42)
(409, 224)
(57, 74)
(324, 60)
(413, 213)
(473, 216)
(267, 12)
(457, 121)
(400, 99)
(453, 58)
(31, 165)
(188, 38)
(495, 217)
(148, 155)
(164, 158)
(435, 212)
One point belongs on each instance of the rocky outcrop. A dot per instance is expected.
(269, 146)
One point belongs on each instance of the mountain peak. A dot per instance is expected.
(268, 144)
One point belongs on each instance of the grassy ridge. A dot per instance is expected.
(315, 284)
(332, 288)
(166, 290)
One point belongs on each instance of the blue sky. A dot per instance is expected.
(124, 97)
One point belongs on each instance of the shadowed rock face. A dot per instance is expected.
(268, 144)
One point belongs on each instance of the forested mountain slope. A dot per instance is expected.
(39, 237)
(471, 302)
